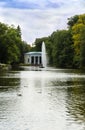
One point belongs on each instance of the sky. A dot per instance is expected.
(39, 18)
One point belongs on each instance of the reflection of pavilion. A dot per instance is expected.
(33, 58)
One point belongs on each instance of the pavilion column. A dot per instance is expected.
(30, 60)
(38, 60)
(34, 60)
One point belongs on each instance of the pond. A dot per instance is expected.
(42, 99)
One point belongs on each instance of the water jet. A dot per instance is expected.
(44, 59)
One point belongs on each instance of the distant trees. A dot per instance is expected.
(66, 48)
(12, 48)
(59, 48)
(62, 48)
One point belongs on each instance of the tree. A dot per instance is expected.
(11, 41)
(78, 31)
(24, 47)
(19, 31)
(72, 21)
(12, 48)
(62, 48)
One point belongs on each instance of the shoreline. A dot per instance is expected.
(5, 66)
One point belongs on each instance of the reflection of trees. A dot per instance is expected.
(9, 82)
(68, 82)
(2, 73)
(76, 100)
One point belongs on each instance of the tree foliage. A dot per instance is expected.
(72, 21)
(78, 31)
(62, 49)
(12, 48)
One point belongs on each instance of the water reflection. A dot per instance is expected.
(52, 99)
(9, 80)
(41, 100)
(76, 102)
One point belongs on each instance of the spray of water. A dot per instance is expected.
(44, 59)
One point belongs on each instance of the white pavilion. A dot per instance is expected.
(33, 58)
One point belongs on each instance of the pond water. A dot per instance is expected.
(42, 99)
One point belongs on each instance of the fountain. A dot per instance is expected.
(44, 59)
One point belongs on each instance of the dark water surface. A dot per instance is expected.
(42, 99)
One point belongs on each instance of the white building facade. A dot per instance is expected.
(33, 58)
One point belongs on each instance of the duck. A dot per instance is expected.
(19, 94)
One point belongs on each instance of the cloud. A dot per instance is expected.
(39, 18)
(33, 23)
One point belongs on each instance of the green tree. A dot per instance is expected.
(18, 31)
(24, 47)
(12, 48)
(62, 48)
(3, 33)
(78, 31)
(72, 21)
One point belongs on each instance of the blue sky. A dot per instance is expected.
(39, 18)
